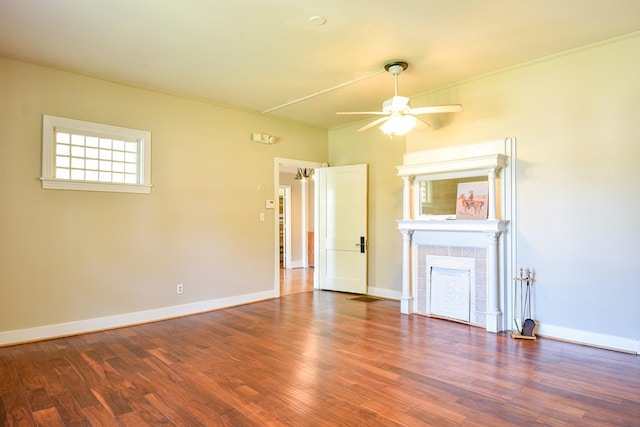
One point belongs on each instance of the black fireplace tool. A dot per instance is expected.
(528, 325)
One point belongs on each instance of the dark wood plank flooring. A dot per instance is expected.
(295, 280)
(314, 359)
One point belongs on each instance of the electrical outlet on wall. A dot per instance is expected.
(179, 288)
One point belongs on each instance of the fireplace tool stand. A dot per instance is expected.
(522, 307)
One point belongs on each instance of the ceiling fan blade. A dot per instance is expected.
(421, 124)
(373, 123)
(362, 112)
(453, 108)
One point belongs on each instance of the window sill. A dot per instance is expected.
(61, 184)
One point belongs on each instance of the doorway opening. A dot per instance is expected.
(284, 225)
(294, 228)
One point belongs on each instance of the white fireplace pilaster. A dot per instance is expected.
(491, 175)
(494, 315)
(406, 196)
(406, 301)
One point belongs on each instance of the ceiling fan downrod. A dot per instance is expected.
(395, 68)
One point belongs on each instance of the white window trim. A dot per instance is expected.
(50, 123)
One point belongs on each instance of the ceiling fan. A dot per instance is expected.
(399, 118)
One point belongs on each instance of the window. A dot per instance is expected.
(78, 155)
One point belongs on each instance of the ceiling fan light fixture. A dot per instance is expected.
(398, 125)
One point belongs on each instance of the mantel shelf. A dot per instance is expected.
(488, 226)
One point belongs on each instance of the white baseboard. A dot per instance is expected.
(610, 342)
(383, 293)
(297, 264)
(127, 319)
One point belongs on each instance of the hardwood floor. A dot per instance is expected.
(314, 359)
(295, 280)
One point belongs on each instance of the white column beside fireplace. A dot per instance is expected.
(451, 268)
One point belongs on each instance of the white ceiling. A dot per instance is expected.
(259, 54)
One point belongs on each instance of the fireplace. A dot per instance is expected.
(450, 293)
(457, 269)
(452, 286)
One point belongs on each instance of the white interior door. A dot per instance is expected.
(341, 232)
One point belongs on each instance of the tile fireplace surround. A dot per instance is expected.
(452, 282)
(458, 269)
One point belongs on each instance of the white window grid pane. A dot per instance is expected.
(92, 164)
(77, 163)
(118, 156)
(118, 145)
(63, 149)
(131, 168)
(63, 138)
(77, 151)
(92, 153)
(77, 174)
(63, 161)
(131, 157)
(92, 141)
(91, 175)
(77, 139)
(84, 163)
(105, 154)
(118, 166)
(63, 173)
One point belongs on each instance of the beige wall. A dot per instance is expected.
(382, 154)
(71, 255)
(575, 117)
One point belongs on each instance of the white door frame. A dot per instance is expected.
(278, 163)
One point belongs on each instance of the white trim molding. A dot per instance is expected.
(593, 339)
(128, 319)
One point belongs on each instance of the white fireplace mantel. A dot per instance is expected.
(488, 226)
(487, 158)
